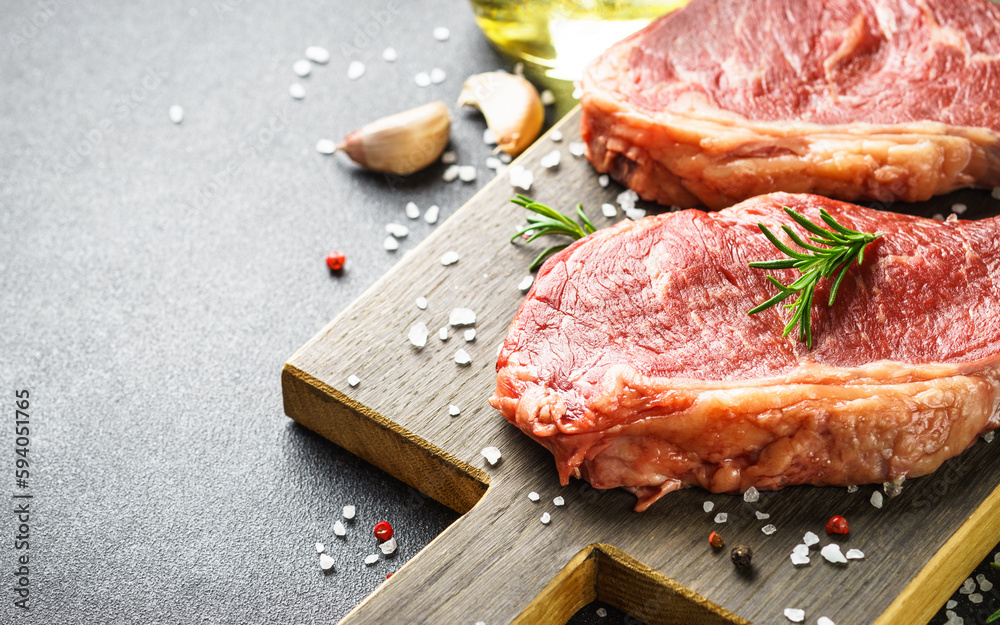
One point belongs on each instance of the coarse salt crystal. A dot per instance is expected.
(546, 517)
(412, 210)
(769, 529)
(533, 496)
(418, 334)
(985, 585)
(810, 539)
(353, 380)
(451, 173)
(390, 243)
(996, 193)
(855, 554)
(752, 495)
(431, 214)
(996, 557)
(876, 499)
(454, 410)
(762, 515)
(708, 506)
(462, 357)
(493, 163)
(371, 559)
(577, 92)
(449, 258)
(449, 157)
(801, 550)
(556, 136)
(443, 334)
(968, 586)
(355, 70)
(326, 562)
(604, 180)
(976, 598)
(635, 214)
(799, 559)
(937, 217)
(317, 54)
(722, 517)
(470, 335)
(423, 79)
(421, 303)
(824, 621)
(492, 455)
(388, 546)
(461, 316)
(525, 283)
(795, 615)
(349, 512)
(438, 75)
(320, 547)
(505, 158)
(559, 501)
(853, 488)
(326, 146)
(339, 529)
(397, 230)
(389, 55)
(297, 91)
(988, 437)
(893, 489)
(959, 208)
(609, 210)
(577, 148)
(302, 68)
(176, 114)
(954, 619)
(627, 199)
(441, 33)
(489, 137)
(832, 554)
(550, 160)
(548, 98)
(951, 604)
(520, 177)
(467, 173)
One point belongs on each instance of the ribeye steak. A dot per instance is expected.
(856, 99)
(633, 358)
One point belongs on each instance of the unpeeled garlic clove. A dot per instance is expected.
(511, 106)
(402, 143)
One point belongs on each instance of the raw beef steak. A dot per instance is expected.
(633, 358)
(728, 99)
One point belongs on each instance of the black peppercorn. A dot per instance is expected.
(741, 556)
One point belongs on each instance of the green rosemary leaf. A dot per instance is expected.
(549, 222)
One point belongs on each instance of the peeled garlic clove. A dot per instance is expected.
(511, 106)
(402, 143)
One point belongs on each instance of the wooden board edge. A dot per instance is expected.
(571, 589)
(945, 571)
(381, 442)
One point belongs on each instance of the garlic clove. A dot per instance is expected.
(511, 106)
(402, 143)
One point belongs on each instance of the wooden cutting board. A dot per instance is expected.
(498, 563)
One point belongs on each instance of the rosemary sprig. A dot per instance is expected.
(548, 221)
(844, 245)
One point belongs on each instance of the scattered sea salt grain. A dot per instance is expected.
(325, 562)
(577, 92)
(326, 146)
(302, 68)
(958, 208)
(708, 506)
(462, 357)
(609, 210)
(470, 335)
(559, 501)
(176, 114)
(762, 515)
(855, 554)
(769, 529)
(371, 559)
(937, 217)
(441, 33)
(988, 437)
(450, 173)
(388, 546)
(801, 550)
(317, 54)
(954, 619)
(603, 180)
(799, 559)
(493, 163)
(546, 517)
(467, 173)
(996, 193)
(635, 214)
(390, 243)
(951, 604)
(489, 137)
(627, 199)
(423, 79)
(431, 214)
(556, 135)
(320, 547)
(520, 177)
(421, 303)
(389, 55)
(810, 539)
(438, 75)
(412, 210)
(454, 410)
(824, 621)
(853, 488)
(461, 316)
(449, 157)
(533, 496)
(418, 334)
(339, 529)
(752, 495)
(449, 258)
(985, 585)
(550, 160)
(893, 489)
(505, 158)
(976, 598)
(525, 283)
(795, 615)
(397, 230)
(297, 91)
(443, 334)
(548, 98)
(492, 455)
(832, 554)
(577, 148)
(876, 499)
(996, 557)
(349, 512)
(722, 517)
(354, 380)
(968, 586)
